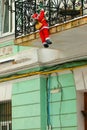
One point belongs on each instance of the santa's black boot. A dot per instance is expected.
(48, 41)
(46, 45)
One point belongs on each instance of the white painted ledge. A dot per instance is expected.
(31, 58)
(41, 55)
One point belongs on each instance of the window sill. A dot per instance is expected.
(7, 37)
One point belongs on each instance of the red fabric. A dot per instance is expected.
(41, 18)
(34, 15)
(44, 34)
(44, 31)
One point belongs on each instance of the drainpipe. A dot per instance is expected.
(49, 126)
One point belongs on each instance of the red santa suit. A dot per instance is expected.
(44, 30)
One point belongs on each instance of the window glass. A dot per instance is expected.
(6, 19)
(7, 16)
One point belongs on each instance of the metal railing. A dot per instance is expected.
(5, 115)
(56, 11)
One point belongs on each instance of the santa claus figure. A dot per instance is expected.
(43, 27)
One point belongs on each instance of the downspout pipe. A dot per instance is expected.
(48, 104)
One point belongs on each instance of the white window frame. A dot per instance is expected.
(11, 18)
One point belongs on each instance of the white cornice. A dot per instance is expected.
(34, 61)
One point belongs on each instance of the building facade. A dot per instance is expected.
(40, 89)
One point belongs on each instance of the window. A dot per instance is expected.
(5, 116)
(7, 16)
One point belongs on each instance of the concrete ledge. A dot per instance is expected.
(28, 39)
(40, 55)
(31, 58)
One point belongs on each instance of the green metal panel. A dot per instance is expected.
(65, 128)
(26, 98)
(66, 107)
(26, 111)
(69, 120)
(70, 128)
(68, 93)
(63, 112)
(26, 123)
(29, 104)
(66, 120)
(67, 80)
(26, 86)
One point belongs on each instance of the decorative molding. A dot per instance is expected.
(6, 38)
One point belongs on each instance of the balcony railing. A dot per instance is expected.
(57, 11)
